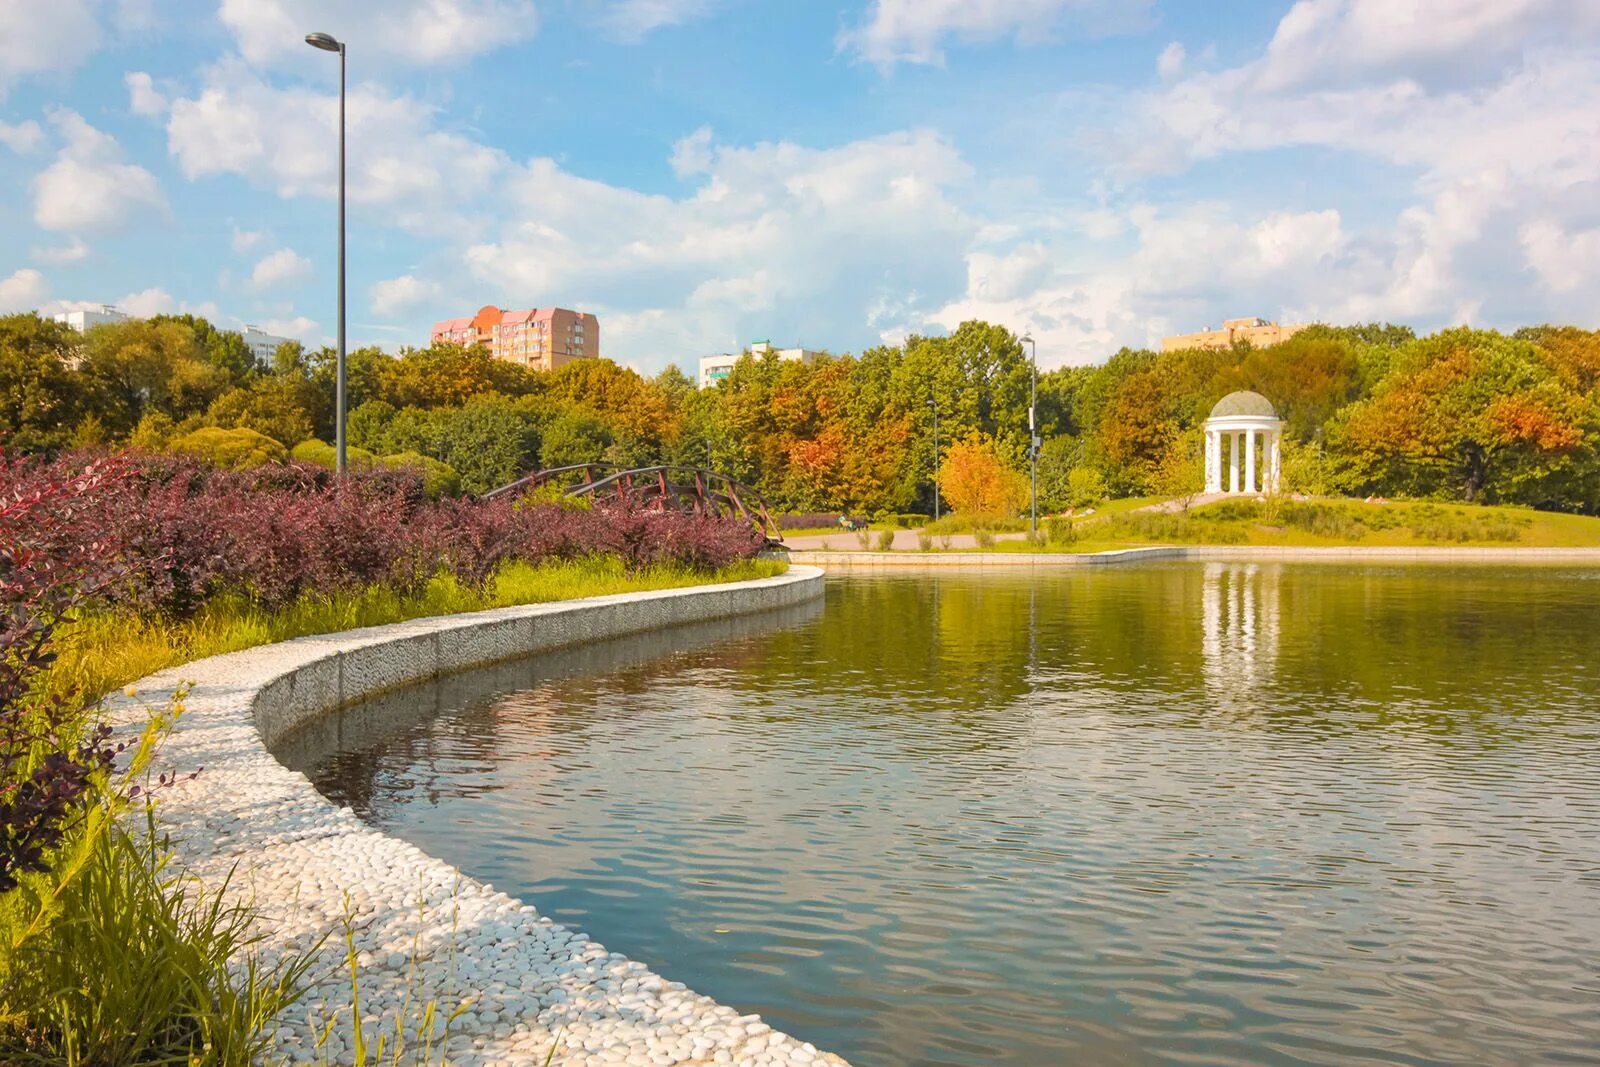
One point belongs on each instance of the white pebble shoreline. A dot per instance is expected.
(426, 932)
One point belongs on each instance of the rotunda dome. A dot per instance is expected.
(1243, 402)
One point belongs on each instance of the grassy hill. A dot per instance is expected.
(1329, 522)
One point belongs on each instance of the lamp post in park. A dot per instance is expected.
(328, 44)
(1033, 439)
(933, 405)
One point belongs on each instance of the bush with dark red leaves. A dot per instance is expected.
(163, 535)
(53, 558)
(274, 533)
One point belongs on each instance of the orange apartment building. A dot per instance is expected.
(1259, 332)
(538, 338)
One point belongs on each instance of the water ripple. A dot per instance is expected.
(1184, 814)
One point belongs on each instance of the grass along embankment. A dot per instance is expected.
(104, 650)
(1317, 523)
(113, 567)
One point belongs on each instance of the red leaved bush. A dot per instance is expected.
(163, 535)
(278, 532)
(51, 561)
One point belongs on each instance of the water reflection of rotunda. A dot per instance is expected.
(1241, 622)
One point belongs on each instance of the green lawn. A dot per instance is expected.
(1327, 523)
(107, 650)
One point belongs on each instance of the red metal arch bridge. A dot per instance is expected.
(692, 490)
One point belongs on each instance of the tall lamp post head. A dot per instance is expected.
(326, 42)
(1033, 438)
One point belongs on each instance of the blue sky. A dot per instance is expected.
(834, 173)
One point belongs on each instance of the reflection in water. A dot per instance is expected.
(1168, 814)
(1240, 619)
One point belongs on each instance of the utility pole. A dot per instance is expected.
(1033, 440)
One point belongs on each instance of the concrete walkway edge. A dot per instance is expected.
(425, 932)
(1581, 557)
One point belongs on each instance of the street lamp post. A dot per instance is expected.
(328, 44)
(933, 405)
(1033, 439)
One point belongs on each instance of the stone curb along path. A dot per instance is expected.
(426, 932)
(1374, 554)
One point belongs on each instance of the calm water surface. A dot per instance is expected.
(1177, 814)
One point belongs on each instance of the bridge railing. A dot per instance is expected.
(693, 490)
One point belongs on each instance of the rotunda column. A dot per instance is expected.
(1213, 467)
(1233, 462)
(1250, 461)
(1277, 458)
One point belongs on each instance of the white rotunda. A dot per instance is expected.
(1243, 428)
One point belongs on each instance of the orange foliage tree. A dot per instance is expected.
(976, 481)
(1468, 412)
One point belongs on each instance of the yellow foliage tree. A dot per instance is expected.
(974, 480)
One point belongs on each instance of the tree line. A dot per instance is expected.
(1463, 414)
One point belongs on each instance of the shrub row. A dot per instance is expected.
(188, 532)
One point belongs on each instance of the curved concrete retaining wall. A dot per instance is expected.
(425, 931)
(1570, 557)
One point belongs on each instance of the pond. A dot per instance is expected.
(1197, 813)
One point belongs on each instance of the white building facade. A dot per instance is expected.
(714, 369)
(82, 320)
(263, 346)
(1244, 445)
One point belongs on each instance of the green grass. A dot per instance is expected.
(114, 955)
(105, 651)
(134, 962)
(1327, 523)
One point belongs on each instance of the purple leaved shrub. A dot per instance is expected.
(188, 532)
(162, 535)
(53, 559)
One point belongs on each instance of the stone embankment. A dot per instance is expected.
(1568, 557)
(518, 984)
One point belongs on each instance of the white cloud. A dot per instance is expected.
(1169, 64)
(280, 268)
(89, 187)
(295, 327)
(143, 98)
(395, 296)
(24, 290)
(287, 139)
(1567, 261)
(23, 138)
(1185, 265)
(1339, 42)
(147, 302)
(915, 31)
(771, 229)
(414, 31)
(692, 154)
(38, 36)
(1486, 114)
(71, 252)
(245, 240)
(631, 20)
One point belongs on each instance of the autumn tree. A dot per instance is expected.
(140, 366)
(1464, 412)
(975, 481)
(1307, 378)
(41, 397)
(279, 407)
(1137, 427)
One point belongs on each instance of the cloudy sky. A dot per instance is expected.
(830, 173)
